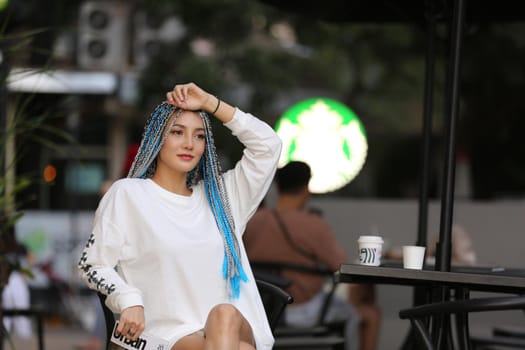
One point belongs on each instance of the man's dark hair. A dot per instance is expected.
(293, 177)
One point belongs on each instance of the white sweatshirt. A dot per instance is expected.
(167, 249)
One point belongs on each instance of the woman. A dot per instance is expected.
(173, 230)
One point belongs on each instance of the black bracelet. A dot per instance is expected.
(218, 104)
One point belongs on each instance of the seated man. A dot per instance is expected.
(291, 234)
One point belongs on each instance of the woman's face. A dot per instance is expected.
(184, 145)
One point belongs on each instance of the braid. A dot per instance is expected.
(218, 199)
(144, 164)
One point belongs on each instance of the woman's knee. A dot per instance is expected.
(225, 315)
(226, 319)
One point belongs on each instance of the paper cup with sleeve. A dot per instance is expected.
(370, 250)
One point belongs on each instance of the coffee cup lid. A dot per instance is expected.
(370, 239)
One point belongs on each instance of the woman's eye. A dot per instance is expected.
(201, 137)
(176, 132)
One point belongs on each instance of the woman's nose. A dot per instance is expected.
(188, 142)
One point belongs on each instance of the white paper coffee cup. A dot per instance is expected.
(370, 250)
(413, 257)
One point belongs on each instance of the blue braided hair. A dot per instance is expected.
(207, 170)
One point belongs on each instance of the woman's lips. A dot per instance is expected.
(185, 156)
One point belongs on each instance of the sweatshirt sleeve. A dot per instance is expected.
(252, 176)
(97, 264)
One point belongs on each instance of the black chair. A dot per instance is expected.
(511, 337)
(262, 270)
(323, 334)
(511, 332)
(422, 317)
(502, 337)
(274, 299)
(109, 318)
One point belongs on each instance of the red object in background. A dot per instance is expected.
(130, 156)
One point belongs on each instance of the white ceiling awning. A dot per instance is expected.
(61, 81)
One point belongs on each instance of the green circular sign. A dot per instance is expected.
(328, 136)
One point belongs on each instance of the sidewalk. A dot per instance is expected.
(56, 337)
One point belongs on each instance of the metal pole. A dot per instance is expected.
(420, 294)
(443, 255)
(444, 246)
(426, 136)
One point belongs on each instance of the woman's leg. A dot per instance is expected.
(226, 328)
(193, 341)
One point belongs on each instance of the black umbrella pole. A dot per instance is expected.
(447, 199)
(426, 136)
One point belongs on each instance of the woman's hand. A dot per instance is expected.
(131, 322)
(191, 97)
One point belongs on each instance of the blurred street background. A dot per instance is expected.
(78, 79)
(57, 337)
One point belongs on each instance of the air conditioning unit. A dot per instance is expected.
(149, 34)
(103, 35)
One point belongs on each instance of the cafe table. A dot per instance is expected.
(470, 278)
(461, 279)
